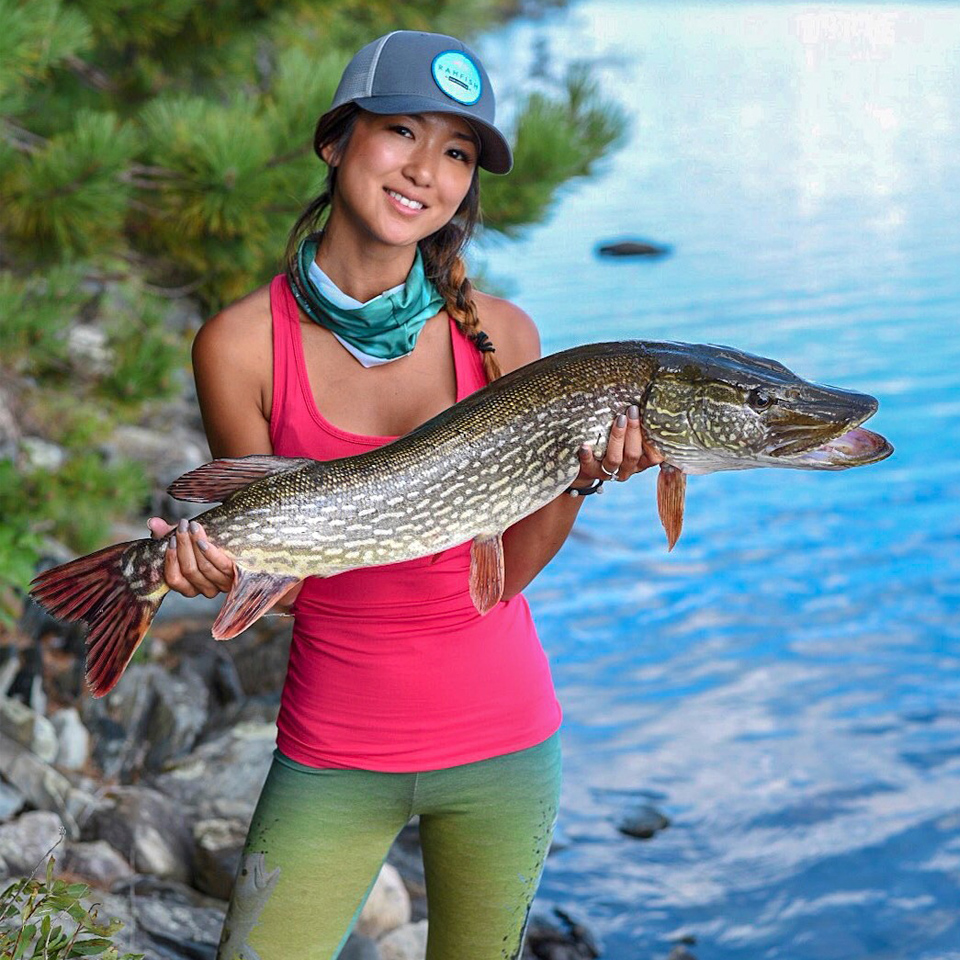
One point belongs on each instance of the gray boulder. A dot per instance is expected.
(387, 907)
(73, 739)
(29, 728)
(178, 930)
(96, 862)
(408, 942)
(146, 828)
(224, 773)
(26, 841)
(219, 844)
(43, 786)
(12, 801)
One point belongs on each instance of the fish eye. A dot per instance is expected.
(759, 400)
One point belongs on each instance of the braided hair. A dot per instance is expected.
(442, 251)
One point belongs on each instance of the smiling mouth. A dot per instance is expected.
(405, 201)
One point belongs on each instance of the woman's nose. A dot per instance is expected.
(419, 168)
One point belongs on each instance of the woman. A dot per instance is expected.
(399, 698)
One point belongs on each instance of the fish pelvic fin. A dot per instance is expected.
(486, 571)
(216, 481)
(116, 592)
(671, 494)
(251, 595)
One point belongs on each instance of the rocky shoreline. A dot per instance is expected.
(146, 794)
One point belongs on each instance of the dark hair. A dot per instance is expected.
(442, 251)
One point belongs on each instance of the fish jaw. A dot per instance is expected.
(855, 448)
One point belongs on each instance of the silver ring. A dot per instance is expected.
(609, 474)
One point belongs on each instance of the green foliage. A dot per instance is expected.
(46, 920)
(37, 311)
(75, 501)
(557, 139)
(167, 145)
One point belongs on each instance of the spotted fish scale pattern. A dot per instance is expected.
(475, 469)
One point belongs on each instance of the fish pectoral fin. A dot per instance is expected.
(251, 595)
(486, 571)
(671, 493)
(214, 482)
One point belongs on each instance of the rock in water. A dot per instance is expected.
(643, 822)
(632, 248)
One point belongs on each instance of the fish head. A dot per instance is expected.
(712, 408)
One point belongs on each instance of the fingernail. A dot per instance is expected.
(172, 543)
(194, 527)
(182, 526)
(202, 544)
(583, 451)
(621, 420)
(634, 412)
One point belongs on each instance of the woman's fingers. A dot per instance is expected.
(159, 528)
(626, 453)
(171, 571)
(212, 562)
(632, 444)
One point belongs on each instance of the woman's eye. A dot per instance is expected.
(403, 131)
(462, 155)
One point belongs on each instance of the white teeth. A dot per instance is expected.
(406, 201)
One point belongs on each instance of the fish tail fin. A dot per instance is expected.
(116, 592)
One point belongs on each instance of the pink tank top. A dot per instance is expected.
(391, 668)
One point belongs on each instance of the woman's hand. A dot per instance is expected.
(192, 565)
(627, 453)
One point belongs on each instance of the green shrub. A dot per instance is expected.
(46, 920)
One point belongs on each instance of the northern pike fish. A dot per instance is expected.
(467, 475)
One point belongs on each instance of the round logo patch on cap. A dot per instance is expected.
(458, 77)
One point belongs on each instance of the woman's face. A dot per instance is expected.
(401, 178)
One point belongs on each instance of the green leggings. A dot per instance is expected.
(319, 837)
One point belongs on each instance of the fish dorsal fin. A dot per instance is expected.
(214, 482)
(251, 595)
(671, 493)
(486, 571)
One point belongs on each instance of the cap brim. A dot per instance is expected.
(495, 153)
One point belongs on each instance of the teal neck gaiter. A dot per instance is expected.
(383, 329)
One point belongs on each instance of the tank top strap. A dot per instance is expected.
(286, 339)
(467, 361)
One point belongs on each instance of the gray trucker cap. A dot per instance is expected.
(411, 72)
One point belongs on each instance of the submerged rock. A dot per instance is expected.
(632, 248)
(643, 822)
(559, 937)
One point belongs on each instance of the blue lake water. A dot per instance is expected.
(785, 685)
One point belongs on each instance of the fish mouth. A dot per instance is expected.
(855, 448)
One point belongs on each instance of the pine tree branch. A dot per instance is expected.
(20, 138)
(93, 76)
(286, 157)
